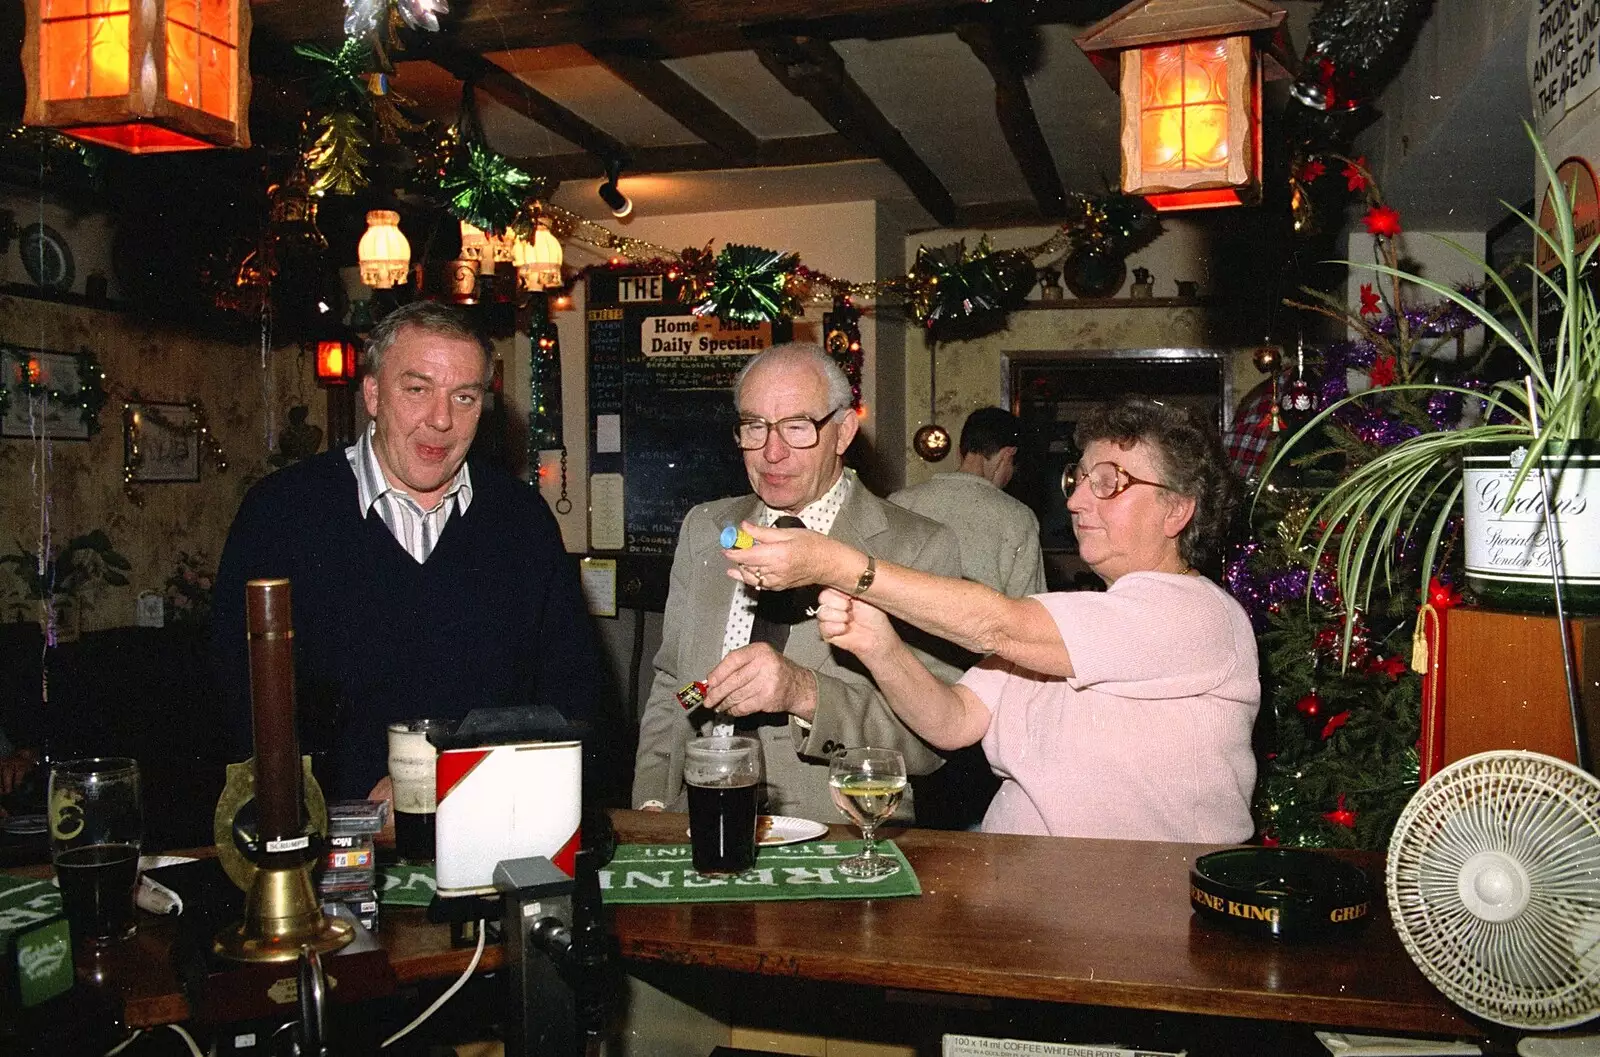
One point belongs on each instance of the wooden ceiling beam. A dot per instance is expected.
(511, 91)
(505, 25)
(996, 47)
(680, 100)
(794, 150)
(812, 70)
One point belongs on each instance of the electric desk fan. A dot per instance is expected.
(1493, 882)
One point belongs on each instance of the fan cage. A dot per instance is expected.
(1540, 969)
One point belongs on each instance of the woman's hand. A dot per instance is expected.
(784, 558)
(854, 625)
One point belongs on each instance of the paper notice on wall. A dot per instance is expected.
(1563, 57)
(607, 434)
(599, 579)
(605, 512)
(980, 1046)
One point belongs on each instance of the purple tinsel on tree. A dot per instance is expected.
(1289, 584)
(1444, 410)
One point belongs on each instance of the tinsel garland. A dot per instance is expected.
(484, 188)
(750, 285)
(1114, 222)
(336, 157)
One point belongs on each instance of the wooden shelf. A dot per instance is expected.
(29, 292)
(1112, 302)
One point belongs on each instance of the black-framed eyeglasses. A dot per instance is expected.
(1107, 480)
(796, 431)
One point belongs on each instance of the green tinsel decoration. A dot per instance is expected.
(956, 293)
(339, 77)
(336, 158)
(485, 189)
(750, 285)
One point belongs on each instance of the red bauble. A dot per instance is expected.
(1309, 706)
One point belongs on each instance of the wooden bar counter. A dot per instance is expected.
(1051, 920)
(1094, 922)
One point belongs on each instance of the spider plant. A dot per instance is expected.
(1372, 516)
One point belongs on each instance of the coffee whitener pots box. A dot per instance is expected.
(499, 802)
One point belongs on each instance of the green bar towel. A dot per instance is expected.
(665, 873)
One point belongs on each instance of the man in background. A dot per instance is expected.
(999, 547)
(424, 585)
(768, 674)
(999, 535)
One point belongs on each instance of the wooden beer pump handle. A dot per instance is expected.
(277, 743)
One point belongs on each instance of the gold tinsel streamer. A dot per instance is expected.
(336, 156)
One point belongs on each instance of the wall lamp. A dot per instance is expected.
(619, 204)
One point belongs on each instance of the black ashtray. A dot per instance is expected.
(1284, 893)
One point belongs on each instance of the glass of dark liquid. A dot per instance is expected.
(96, 824)
(412, 764)
(723, 775)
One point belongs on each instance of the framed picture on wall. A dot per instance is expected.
(161, 442)
(43, 392)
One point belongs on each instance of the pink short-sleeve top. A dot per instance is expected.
(1149, 739)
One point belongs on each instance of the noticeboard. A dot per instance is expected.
(661, 412)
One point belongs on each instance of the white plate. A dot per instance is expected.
(786, 829)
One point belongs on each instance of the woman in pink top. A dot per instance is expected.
(1125, 713)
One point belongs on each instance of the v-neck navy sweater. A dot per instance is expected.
(495, 617)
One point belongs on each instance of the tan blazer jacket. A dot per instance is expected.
(850, 710)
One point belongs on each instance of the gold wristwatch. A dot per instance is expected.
(864, 581)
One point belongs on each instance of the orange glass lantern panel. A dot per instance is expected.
(158, 75)
(1183, 107)
(336, 362)
(1191, 122)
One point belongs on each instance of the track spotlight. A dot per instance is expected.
(619, 204)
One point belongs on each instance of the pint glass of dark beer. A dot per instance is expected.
(723, 775)
(96, 825)
(412, 759)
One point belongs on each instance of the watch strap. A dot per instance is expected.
(868, 574)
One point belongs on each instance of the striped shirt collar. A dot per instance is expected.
(372, 485)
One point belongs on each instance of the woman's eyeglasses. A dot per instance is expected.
(1106, 480)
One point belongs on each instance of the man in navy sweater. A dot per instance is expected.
(423, 585)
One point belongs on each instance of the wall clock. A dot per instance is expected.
(46, 257)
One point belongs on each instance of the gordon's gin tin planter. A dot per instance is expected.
(1507, 553)
(500, 802)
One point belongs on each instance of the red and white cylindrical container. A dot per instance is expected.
(499, 802)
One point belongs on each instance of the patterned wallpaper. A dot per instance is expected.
(75, 487)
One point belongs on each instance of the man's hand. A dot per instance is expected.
(14, 769)
(757, 678)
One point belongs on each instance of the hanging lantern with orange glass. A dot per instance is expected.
(142, 76)
(1190, 74)
(336, 361)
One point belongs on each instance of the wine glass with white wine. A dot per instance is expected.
(867, 785)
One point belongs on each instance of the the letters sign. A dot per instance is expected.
(1562, 67)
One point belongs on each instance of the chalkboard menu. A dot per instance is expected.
(661, 413)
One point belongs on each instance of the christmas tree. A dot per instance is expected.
(1341, 704)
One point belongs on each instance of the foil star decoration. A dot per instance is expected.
(1369, 301)
(1311, 170)
(1382, 221)
(1355, 174)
